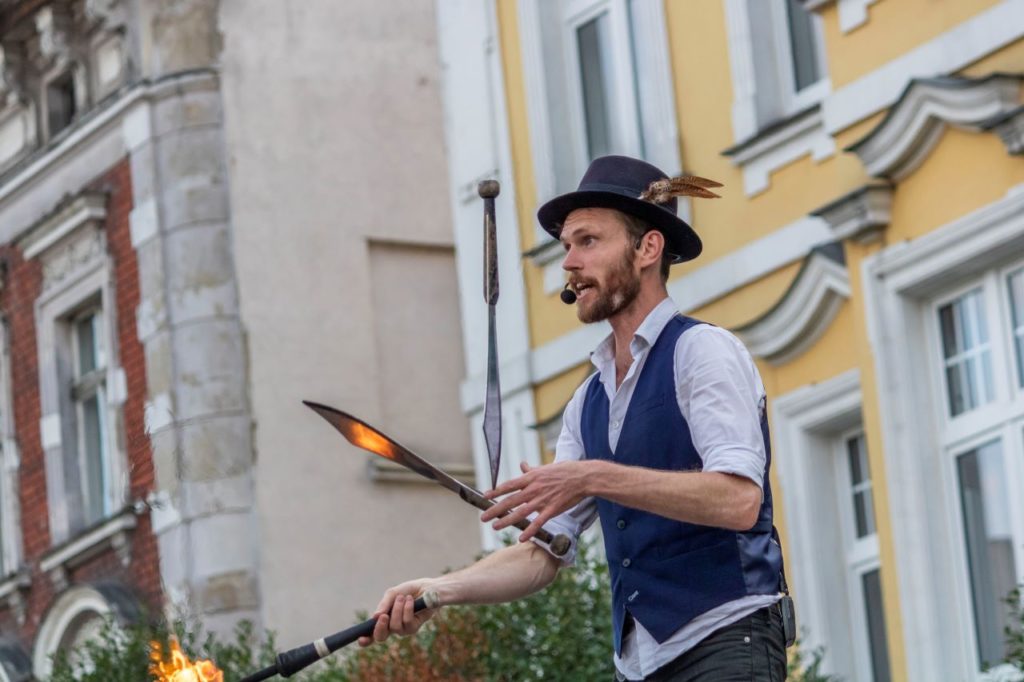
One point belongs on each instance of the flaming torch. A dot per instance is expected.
(179, 668)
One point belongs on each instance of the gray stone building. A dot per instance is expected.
(209, 211)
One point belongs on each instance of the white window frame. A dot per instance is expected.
(795, 100)
(77, 271)
(624, 123)
(901, 283)
(1001, 420)
(807, 424)
(750, 47)
(10, 462)
(64, 616)
(96, 311)
(1016, 388)
(650, 101)
(861, 554)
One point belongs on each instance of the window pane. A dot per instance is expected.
(92, 459)
(1016, 285)
(591, 38)
(84, 331)
(989, 541)
(875, 618)
(967, 353)
(801, 38)
(860, 482)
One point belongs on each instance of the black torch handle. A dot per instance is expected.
(292, 661)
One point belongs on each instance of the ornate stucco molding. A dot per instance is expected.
(1010, 128)
(860, 215)
(852, 13)
(805, 311)
(916, 121)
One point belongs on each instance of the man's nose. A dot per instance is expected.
(571, 261)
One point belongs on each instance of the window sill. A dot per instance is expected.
(383, 471)
(781, 143)
(12, 592)
(111, 533)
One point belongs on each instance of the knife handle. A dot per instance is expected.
(559, 544)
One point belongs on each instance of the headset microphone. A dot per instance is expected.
(568, 296)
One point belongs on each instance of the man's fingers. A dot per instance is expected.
(512, 485)
(503, 507)
(380, 630)
(384, 606)
(524, 467)
(515, 516)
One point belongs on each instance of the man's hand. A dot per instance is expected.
(547, 490)
(395, 614)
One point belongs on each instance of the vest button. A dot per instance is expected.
(625, 563)
(620, 524)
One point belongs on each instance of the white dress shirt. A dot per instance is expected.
(721, 397)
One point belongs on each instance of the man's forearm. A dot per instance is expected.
(705, 498)
(506, 575)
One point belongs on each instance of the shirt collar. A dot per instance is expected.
(644, 337)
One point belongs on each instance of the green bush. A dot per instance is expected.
(1015, 630)
(562, 633)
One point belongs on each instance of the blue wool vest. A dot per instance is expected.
(665, 573)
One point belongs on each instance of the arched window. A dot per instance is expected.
(75, 618)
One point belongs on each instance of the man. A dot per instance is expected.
(667, 443)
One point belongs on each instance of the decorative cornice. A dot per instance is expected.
(860, 215)
(778, 144)
(86, 208)
(805, 311)
(112, 534)
(913, 125)
(852, 13)
(1010, 128)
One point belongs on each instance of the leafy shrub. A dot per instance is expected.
(561, 633)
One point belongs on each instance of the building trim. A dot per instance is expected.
(803, 422)
(861, 215)
(778, 145)
(898, 282)
(913, 125)
(111, 533)
(62, 615)
(947, 53)
(804, 312)
(852, 13)
(85, 208)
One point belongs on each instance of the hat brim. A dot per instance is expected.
(681, 242)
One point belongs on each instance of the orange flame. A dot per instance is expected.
(368, 439)
(179, 668)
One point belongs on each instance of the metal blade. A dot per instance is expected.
(492, 403)
(488, 190)
(364, 436)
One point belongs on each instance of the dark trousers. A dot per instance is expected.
(752, 650)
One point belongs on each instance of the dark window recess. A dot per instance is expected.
(60, 104)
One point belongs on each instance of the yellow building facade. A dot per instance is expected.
(868, 249)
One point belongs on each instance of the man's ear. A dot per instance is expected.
(652, 245)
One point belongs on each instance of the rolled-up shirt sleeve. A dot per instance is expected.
(721, 396)
(569, 448)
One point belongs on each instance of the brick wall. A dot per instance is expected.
(22, 285)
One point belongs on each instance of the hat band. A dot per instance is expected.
(630, 192)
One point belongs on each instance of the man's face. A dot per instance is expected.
(601, 260)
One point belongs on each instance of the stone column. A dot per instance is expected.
(198, 414)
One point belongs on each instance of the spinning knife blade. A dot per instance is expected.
(488, 190)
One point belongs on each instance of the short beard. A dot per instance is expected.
(623, 286)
